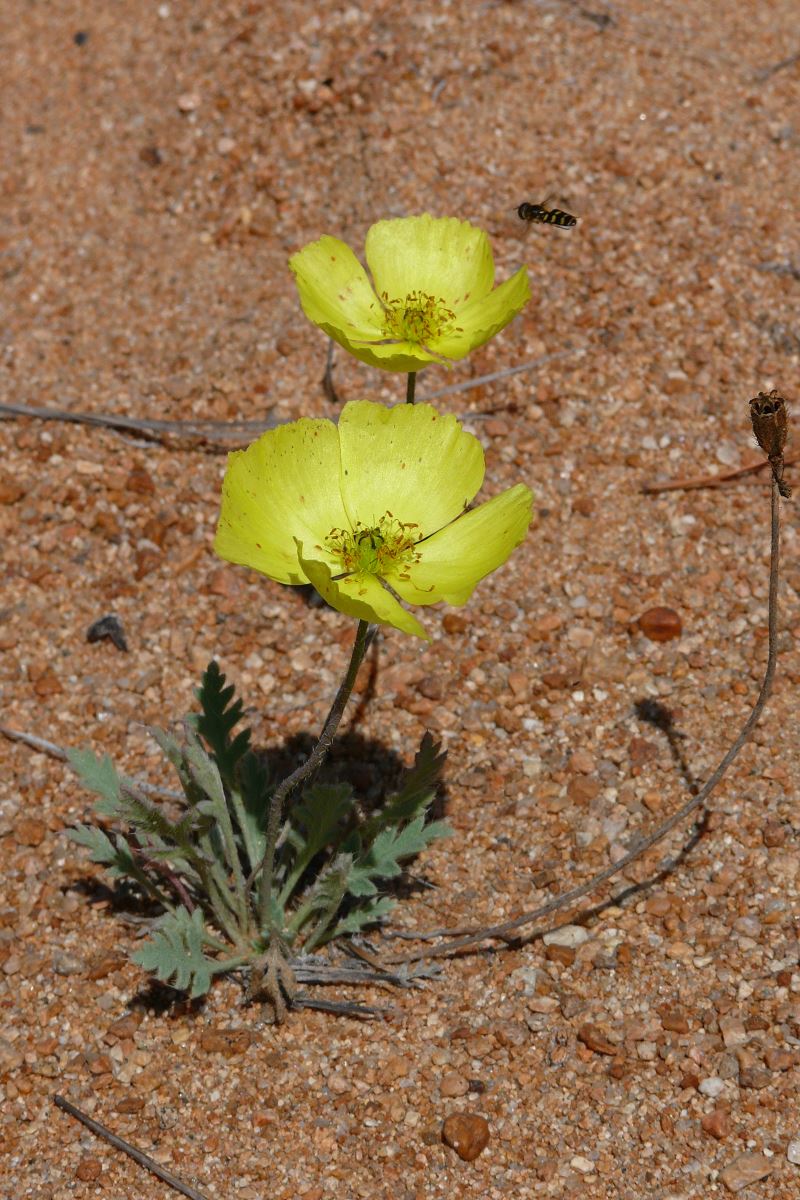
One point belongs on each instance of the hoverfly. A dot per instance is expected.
(546, 216)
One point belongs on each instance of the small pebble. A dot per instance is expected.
(453, 1085)
(675, 1021)
(30, 831)
(67, 964)
(88, 1169)
(582, 761)
(467, 1134)
(733, 1032)
(744, 1170)
(755, 1077)
(584, 1165)
(596, 1039)
(660, 624)
(793, 1151)
(571, 936)
(778, 1060)
(713, 1086)
(749, 926)
(717, 1123)
(397, 1067)
(188, 102)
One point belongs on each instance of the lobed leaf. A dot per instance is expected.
(382, 859)
(116, 855)
(364, 914)
(219, 715)
(100, 776)
(175, 952)
(416, 794)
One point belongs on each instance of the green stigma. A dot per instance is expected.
(383, 549)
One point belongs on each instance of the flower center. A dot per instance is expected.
(382, 549)
(419, 318)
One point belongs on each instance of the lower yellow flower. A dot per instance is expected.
(433, 298)
(370, 511)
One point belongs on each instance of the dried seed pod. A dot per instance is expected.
(771, 427)
(768, 414)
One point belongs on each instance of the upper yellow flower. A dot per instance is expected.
(432, 300)
(369, 510)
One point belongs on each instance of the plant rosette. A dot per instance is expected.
(372, 511)
(431, 297)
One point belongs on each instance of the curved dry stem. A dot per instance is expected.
(502, 931)
(309, 767)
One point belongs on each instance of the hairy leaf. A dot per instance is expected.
(100, 776)
(313, 821)
(219, 716)
(205, 774)
(170, 747)
(149, 818)
(366, 913)
(330, 886)
(251, 814)
(175, 952)
(116, 855)
(417, 792)
(382, 859)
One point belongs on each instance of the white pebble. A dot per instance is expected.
(579, 1163)
(713, 1086)
(569, 935)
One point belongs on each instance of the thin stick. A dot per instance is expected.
(137, 1155)
(704, 481)
(221, 436)
(342, 1008)
(767, 72)
(411, 387)
(493, 377)
(328, 386)
(37, 743)
(199, 432)
(477, 936)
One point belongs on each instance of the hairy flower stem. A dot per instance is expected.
(411, 387)
(312, 763)
(475, 937)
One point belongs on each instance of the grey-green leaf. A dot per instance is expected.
(416, 794)
(175, 952)
(100, 776)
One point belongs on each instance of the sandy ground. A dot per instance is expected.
(157, 173)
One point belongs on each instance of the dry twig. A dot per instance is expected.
(709, 481)
(55, 751)
(137, 1155)
(503, 931)
(218, 436)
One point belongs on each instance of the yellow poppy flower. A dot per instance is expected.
(371, 511)
(432, 299)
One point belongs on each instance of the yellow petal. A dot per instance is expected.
(335, 291)
(410, 461)
(456, 558)
(360, 596)
(283, 486)
(485, 316)
(440, 256)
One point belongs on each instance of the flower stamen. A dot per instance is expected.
(382, 549)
